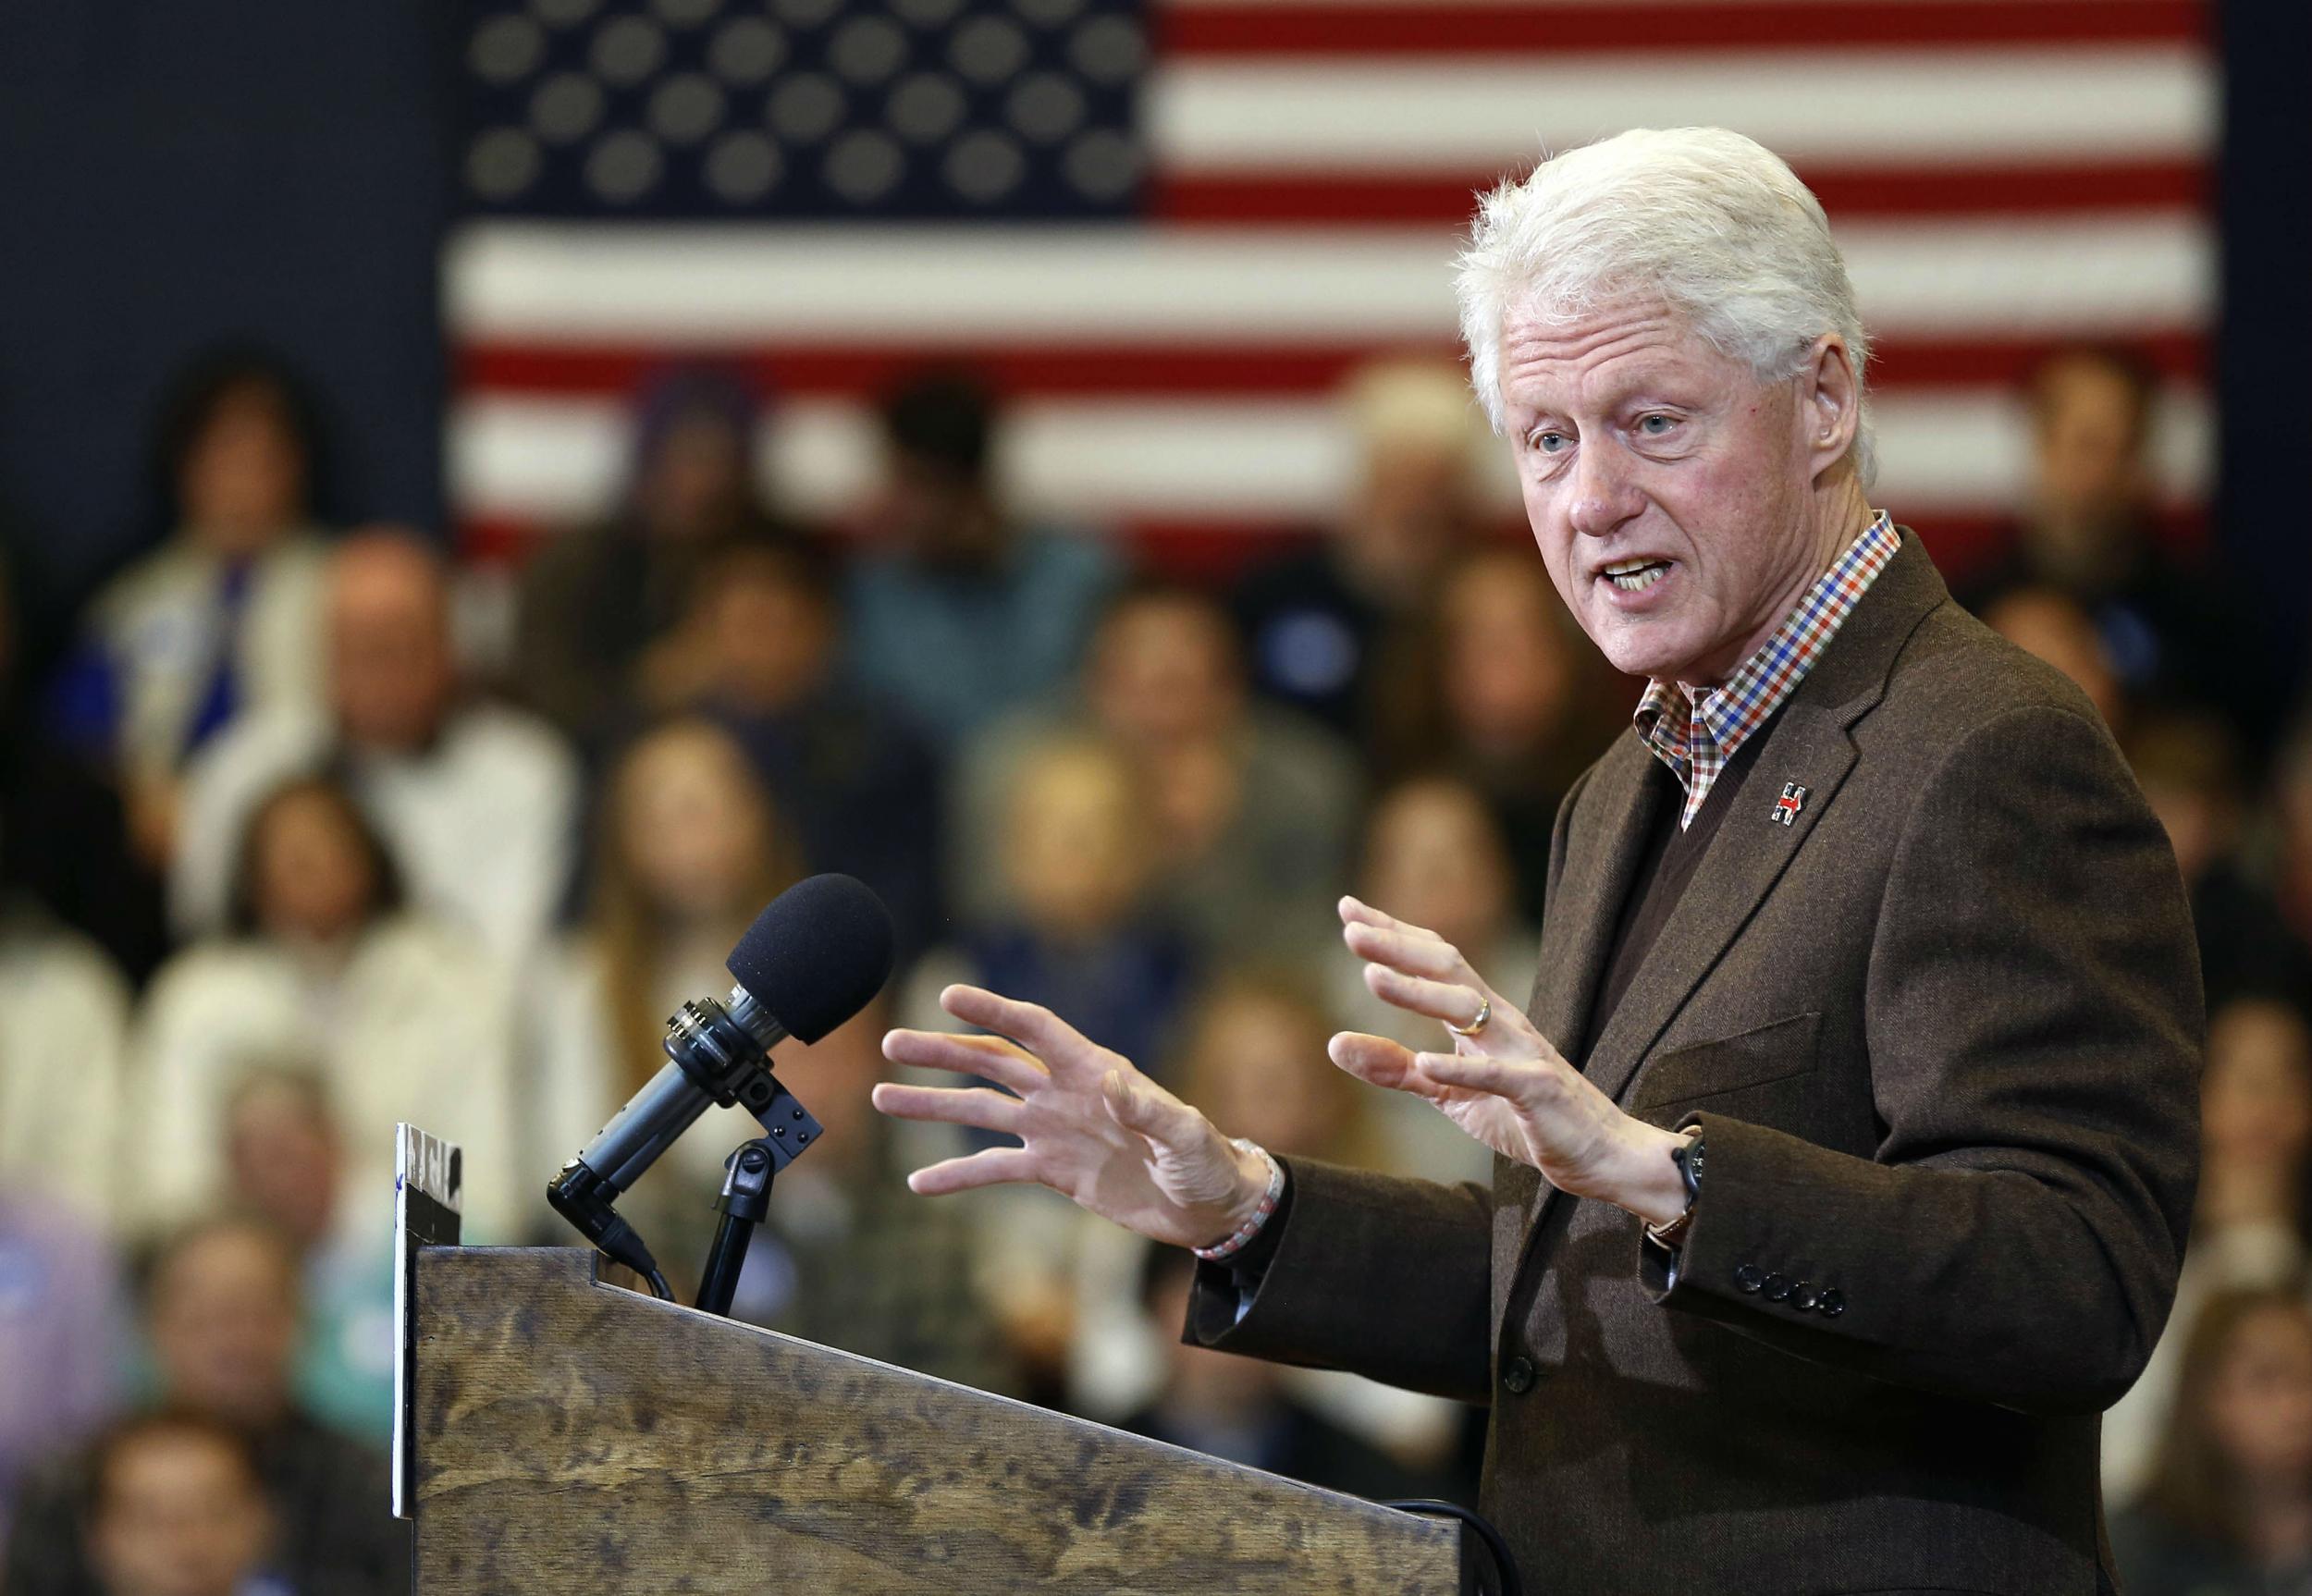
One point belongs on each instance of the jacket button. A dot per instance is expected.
(1777, 1286)
(1803, 1296)
(1517, 1375)
(1832, 1303)
(1749, 1276)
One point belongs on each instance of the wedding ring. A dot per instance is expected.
(1484, 1013)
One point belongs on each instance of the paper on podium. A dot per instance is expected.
(428, 1194)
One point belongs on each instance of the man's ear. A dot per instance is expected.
(1830, 404)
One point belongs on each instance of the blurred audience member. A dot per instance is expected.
(957, 611)
(689, 850)
(1241, 1408)
(2189, 769)
(2089, 530)
(1494, 683)
(63, 1335)
(410, 1016)
(599, 606)
(479, 800)
(286, 1156)
(1078, 934)
(1434, 857)
(177, 1507)
(222, 1313)
(859, 783)
(63, 1016)
(849, 1257)
(64, 833)
(1247, 809)
(225, 616)
(2229, 1509)
(2254, 1196)
(1313, 620)
(2051, 624)
(1078, 931)
(1254, 1059)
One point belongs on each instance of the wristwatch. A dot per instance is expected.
(1689, 1162)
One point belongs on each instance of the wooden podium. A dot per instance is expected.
(571, 1436)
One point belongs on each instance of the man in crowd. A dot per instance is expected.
(478, 802)
(1846, 1147)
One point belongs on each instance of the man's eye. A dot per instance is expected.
(1546, 442)
(1656, 426)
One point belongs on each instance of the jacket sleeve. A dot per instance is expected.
(1382, 1276)
(2033, 1023)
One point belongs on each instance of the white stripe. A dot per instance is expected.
(557, 459)
(957, 288)
(1837, 106)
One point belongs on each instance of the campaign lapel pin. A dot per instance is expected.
(1786, 807)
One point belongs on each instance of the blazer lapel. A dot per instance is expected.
(1605, 848)
(1807, 744)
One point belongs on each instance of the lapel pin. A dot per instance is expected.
(1786, 807)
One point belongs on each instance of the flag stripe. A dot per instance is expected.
(911, 289)
(1494, 113)
(1446, 199)
(613, 369)
(1738, 25)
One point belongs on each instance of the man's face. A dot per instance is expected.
(1644, 452)
(224, 1326)
(390, 668)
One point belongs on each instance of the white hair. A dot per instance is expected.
(1712, 223)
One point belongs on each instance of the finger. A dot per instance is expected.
(988, 1167)
(1449, 1001)
(950, 1105)
(1030, 1023)
(1381, 1062)
(1431, 956)
(989, 1056)
(1510, 1078)
(1355, 911)
(1145, 1108)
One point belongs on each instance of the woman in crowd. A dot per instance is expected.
(2228, 1510)
(409, 1016)
(226, 614)
(690, 848)
(2249, 1230)
(1494, 683)
(1434, 856)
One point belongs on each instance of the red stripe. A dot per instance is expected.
(615, 371)
(1219, 551)
(1455, 29)
(1319, 199)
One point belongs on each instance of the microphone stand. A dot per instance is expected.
(745, 1203)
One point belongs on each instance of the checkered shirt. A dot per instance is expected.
(1696, 730)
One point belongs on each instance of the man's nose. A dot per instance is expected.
(1604, 495)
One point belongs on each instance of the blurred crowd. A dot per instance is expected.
(313, 828)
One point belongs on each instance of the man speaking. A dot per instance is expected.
(1846, 1145)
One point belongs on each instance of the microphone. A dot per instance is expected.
(810, 961)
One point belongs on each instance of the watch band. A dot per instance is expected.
(1689, 1162)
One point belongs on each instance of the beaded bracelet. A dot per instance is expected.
(1251, 1227)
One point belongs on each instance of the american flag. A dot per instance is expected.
(1167, 229)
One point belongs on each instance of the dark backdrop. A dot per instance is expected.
(179, 172)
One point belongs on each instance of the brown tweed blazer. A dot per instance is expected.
(1943, 1036)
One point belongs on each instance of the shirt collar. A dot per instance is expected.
(1695, 731)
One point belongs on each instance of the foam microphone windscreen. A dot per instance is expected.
(817, 955)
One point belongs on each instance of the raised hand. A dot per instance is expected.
(1504, 1084)
(1090, 1125)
